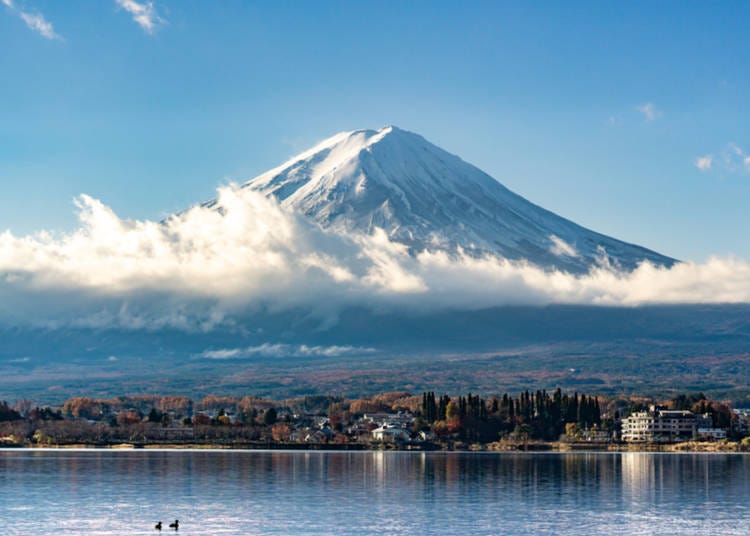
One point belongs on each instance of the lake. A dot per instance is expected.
(277, 492)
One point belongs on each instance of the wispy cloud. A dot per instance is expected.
(731, 159)
(144, 14)
(704, 162)
(649, 111)
(34, 20)
(285, 350)
(737, 158)
(39, 24)
(560, 247)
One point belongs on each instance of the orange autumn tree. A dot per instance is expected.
(281, 432)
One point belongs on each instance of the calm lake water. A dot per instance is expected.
(273, 492)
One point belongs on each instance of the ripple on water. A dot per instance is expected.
(258, 492)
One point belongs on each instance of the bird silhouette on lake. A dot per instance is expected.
(175, 525)
(158, 526)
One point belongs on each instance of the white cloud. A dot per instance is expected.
(39, 24)
(649, 111)
(731, 159)
(144, 14)
(704, 162)
(285, 350)
(202, 268)
(226, 353)
(35, 21)
(561, 248)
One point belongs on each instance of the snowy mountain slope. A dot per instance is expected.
(425, 197)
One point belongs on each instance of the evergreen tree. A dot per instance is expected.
(597, 412)
(443, 407)
(154, 415)
(430, 408)
(269, 417)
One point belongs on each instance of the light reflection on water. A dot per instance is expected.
(275, 492)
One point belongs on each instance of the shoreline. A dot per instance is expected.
(497, 447)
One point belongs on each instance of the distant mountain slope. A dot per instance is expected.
(638, 350)
(425, 197)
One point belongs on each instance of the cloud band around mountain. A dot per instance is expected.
(202, 267)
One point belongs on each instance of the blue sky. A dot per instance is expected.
(599, 111)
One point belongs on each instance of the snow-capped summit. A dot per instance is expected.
(427, 198)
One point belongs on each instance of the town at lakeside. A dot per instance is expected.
(530, 421)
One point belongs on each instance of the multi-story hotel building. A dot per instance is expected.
(660, 425)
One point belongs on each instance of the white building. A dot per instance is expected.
(711, 433)
(601, 436)
(659, 425)
(390, 433)
(402, 418)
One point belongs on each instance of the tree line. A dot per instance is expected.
(537, 415)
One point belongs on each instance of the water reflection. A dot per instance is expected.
(219, 492)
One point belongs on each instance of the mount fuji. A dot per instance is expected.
(421, 196)
(427, 198)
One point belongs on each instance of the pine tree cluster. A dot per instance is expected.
(539, 415)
